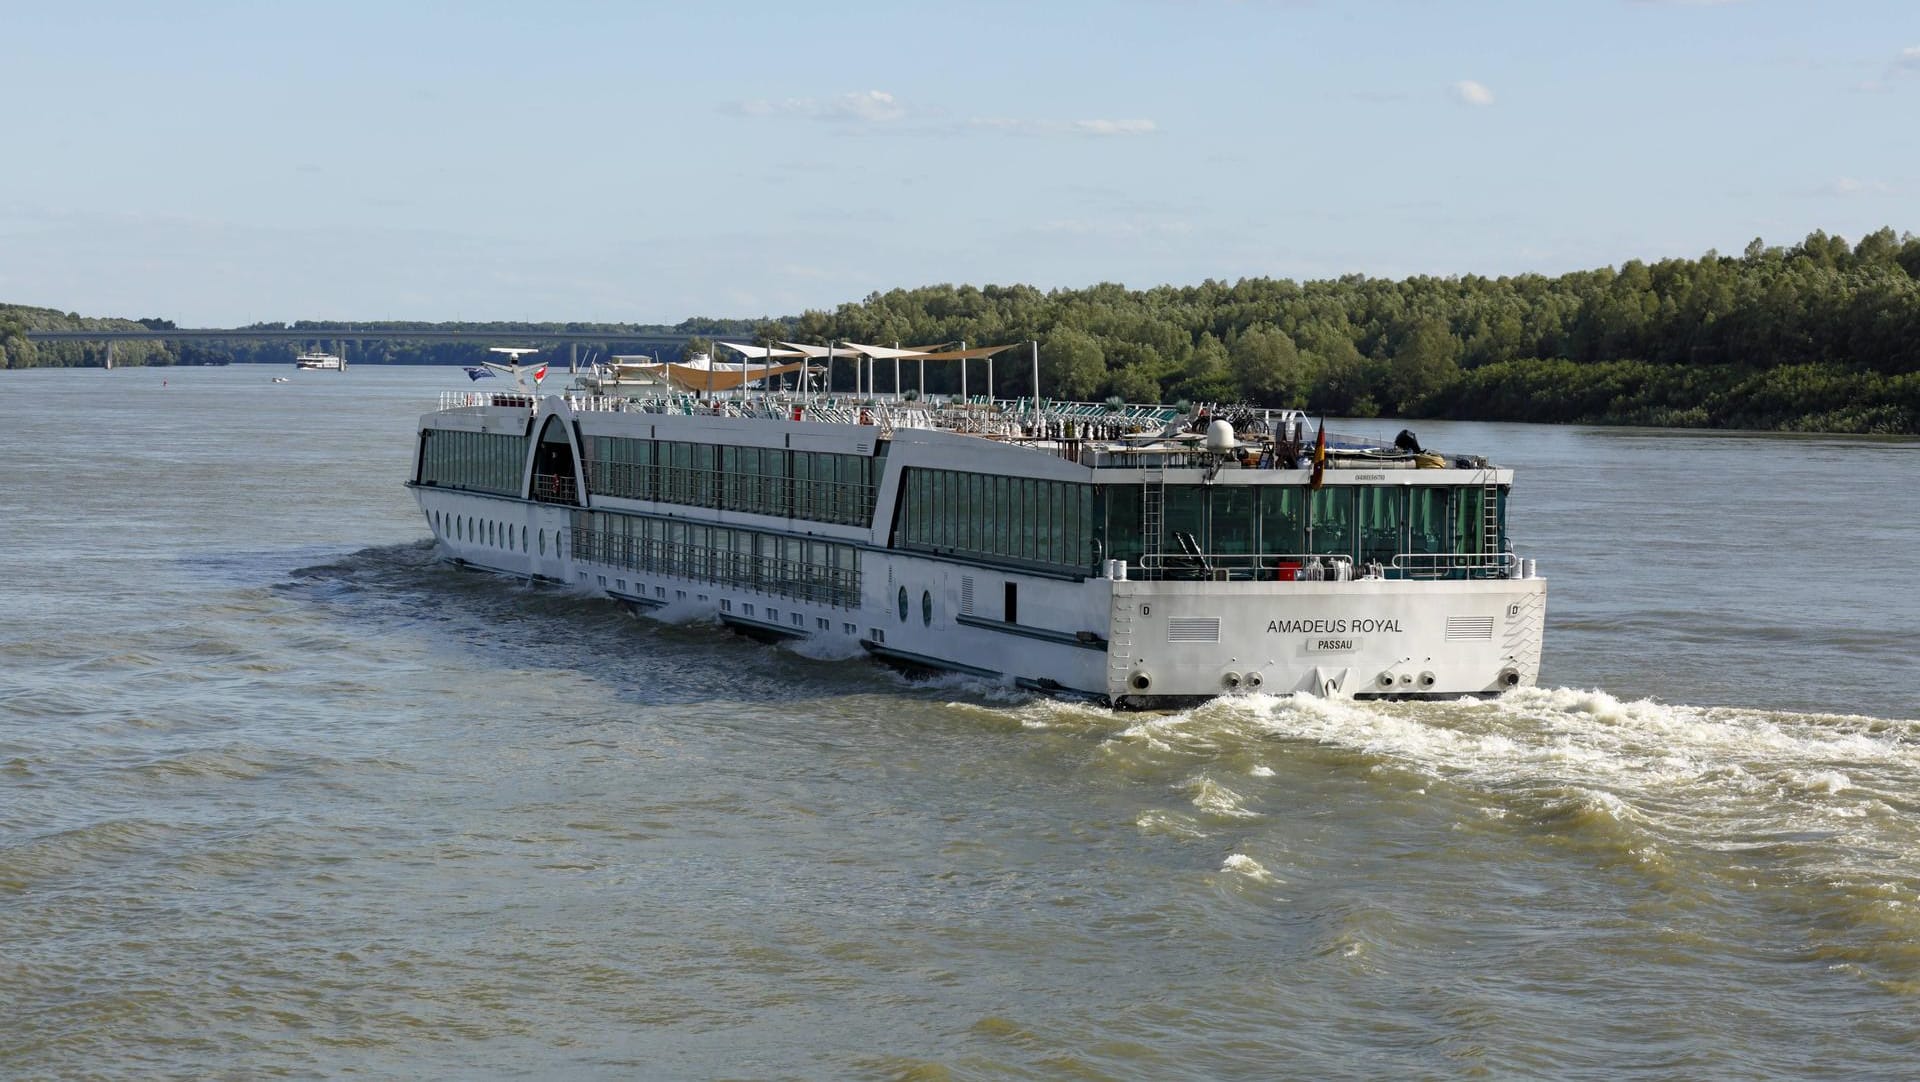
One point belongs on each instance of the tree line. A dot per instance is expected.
(1820, 335)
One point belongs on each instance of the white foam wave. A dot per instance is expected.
(1242, 864)
(825, 648)
(1214, 798)
(1674, 774)
(688, 611)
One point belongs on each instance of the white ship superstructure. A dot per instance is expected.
(324, 362)
(1136, 554)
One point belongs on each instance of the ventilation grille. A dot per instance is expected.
(966, 595)
(1193, 629)
(1469, 629)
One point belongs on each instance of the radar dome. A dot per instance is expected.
(1220, 438)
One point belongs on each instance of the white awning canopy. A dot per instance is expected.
(880, 352)
(812, 351)
(759, 352)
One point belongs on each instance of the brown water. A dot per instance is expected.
(282, 795)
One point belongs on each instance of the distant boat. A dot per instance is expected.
(281, 379)
(320, 361)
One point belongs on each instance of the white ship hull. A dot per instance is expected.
(1109, 636)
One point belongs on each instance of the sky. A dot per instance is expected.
(220, 164)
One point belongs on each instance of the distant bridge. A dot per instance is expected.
(646, 340)
(335, 336)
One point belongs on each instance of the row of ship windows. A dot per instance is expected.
(764, 613)
(1006, 519)
(500, 535)
(1366, 522)
(481, 461)
(819, 486)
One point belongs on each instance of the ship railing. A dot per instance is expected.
(555, 488)
(1454, 565)
(1196, 566)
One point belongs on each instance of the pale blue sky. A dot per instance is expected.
(219, 164)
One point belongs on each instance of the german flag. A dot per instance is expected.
(1319, 458)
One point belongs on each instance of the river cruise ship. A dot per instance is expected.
(1138, 555)
(323, 362)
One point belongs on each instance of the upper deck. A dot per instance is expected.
(1100, 436)
(1062, 487)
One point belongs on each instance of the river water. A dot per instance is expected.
(283, 795)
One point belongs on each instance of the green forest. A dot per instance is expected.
(1822, 335)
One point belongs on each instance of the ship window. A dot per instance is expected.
(823, 623)
(798, 619)
(1123, 522)
(850, 629)
(523, 539)
(1186, 507)
(1382, 509)
(726, 605)
(746, 610)
(1281, 520)
(926, 608)
(1468, 531)
(903, 603)
(1427, 520)
(1331, 521)
(1233, 520)
(543, 542)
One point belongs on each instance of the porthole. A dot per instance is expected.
(926, 608)
(523, 539)
(543, 542)
(903, 604)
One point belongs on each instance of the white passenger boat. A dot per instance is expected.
(325, 362)
(1139, 555)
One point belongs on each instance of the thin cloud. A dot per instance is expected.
(1090, 128)
(857, 107)
(1847, 187)
(1909, 59)
(1119, 229)
(1468, 92)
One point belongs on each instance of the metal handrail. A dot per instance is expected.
(821, 583)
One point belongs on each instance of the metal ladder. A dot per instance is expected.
(1489, 516)
(1153, 500)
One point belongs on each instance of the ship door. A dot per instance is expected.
(553, 465)
(1013, 603)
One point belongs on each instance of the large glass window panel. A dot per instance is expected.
(1185, 511)
(1382, 509)
(1427, 520)
(1467, 529)
(1233, 521)
(1122, 526)
(1330, 521)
